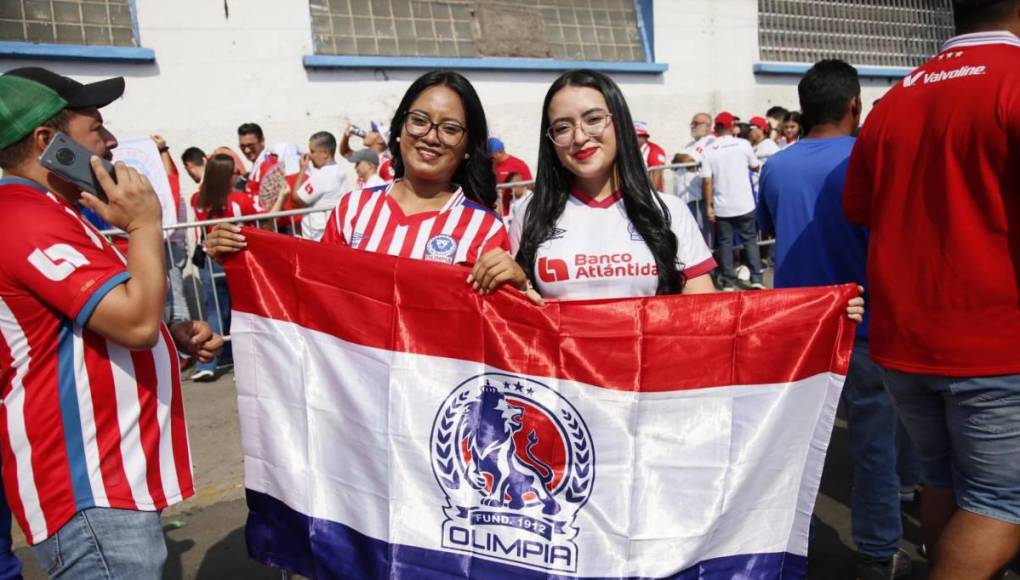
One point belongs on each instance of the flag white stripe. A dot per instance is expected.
(17, 342)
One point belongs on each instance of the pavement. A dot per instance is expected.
(205, 535)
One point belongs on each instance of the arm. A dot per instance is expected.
(764, 211)
(699, 285)
(656, 180)
(706, 190)
(164, 154)
(345, 144)
(130, 314)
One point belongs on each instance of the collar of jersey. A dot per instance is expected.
(979, 38)
(591, 202)
(25, 182)
(398, 213)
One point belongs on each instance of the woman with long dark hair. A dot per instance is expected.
(438, 207)
(595, 228)
(217, 198)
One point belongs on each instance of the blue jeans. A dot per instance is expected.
(104, 543)
(215, 293)
(875, 521)
(747, 229)
(10, 566)
(967, 432)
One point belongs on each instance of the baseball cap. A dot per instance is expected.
(641, 128)
(725, 119)
(30, 96)
(759, 122)
(495, 145)
(366, 154)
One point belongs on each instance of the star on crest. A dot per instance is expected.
(519, 386)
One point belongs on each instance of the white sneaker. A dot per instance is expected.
(203, 376)
(756, 286)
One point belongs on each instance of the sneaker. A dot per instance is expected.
(203, 376)
(898, 566)
(728, 288)
(756, 286)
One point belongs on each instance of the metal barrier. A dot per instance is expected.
(203, 301)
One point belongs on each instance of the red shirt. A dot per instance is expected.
(238, 204)
(459, 233)
(936, 175)
(503, 170)
(85, 422)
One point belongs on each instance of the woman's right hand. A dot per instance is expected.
(224, 239)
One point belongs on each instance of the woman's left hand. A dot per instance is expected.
(855, 308)
(497, 267)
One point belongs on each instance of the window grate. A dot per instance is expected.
(82, 22)
(598, 30)
(895, 33)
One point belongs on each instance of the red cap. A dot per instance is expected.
(759, 122)
(725, 119)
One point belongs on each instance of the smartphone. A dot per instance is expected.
(70, 161)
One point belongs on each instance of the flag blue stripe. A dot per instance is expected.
(71, 415)
(282, 537)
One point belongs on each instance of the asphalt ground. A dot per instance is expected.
(205, 535)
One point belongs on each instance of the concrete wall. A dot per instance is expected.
(213, 73)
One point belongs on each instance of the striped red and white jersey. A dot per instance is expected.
(459, 233)
(84, 422)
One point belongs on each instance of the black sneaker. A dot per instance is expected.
(899, 566)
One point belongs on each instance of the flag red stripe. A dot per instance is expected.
(747, 337)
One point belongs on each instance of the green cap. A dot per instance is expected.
(24, 105)
(30, 96)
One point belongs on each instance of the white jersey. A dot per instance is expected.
(767, 148)
(689, 181)
(596, 252)
(729, 161)
(322, 188)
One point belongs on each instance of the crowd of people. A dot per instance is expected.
(919, 211)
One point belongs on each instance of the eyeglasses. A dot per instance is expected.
(419, 125)
(592, 124)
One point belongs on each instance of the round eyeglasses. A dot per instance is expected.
(592, 124)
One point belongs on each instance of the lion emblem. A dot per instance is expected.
(496, 468)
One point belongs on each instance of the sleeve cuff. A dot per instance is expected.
(700, 269)
(97, 296)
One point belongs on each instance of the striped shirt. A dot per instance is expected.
(84, 422)
(459, 233)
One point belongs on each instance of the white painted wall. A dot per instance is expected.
(213, 73)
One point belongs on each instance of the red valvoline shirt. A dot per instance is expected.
(936, 175)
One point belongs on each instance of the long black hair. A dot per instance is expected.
(645, 209)
(474, 174)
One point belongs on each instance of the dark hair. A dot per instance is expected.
(744, 131)
(794, 116)
(776, 112)
(474, 174)
(826, 91)
(216, 184)
(250, 129)
(645, 209)
(15, 153)
(324, 140)
(977, 15)
(194, 156)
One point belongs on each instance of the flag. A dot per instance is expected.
(397, 425)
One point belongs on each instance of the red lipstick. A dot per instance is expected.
(585, 153)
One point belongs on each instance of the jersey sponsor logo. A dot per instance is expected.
(516, 462)
(552, 270)
(612, 266)
(309, 188)
(57, 262)
(927, 78)
(441, 248)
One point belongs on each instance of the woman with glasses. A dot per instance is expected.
(439, 206)
(594, 227)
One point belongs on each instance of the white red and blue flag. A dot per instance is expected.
(397, 425)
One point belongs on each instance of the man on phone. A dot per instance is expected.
(92, 437)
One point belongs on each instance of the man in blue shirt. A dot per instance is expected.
(801, 200)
